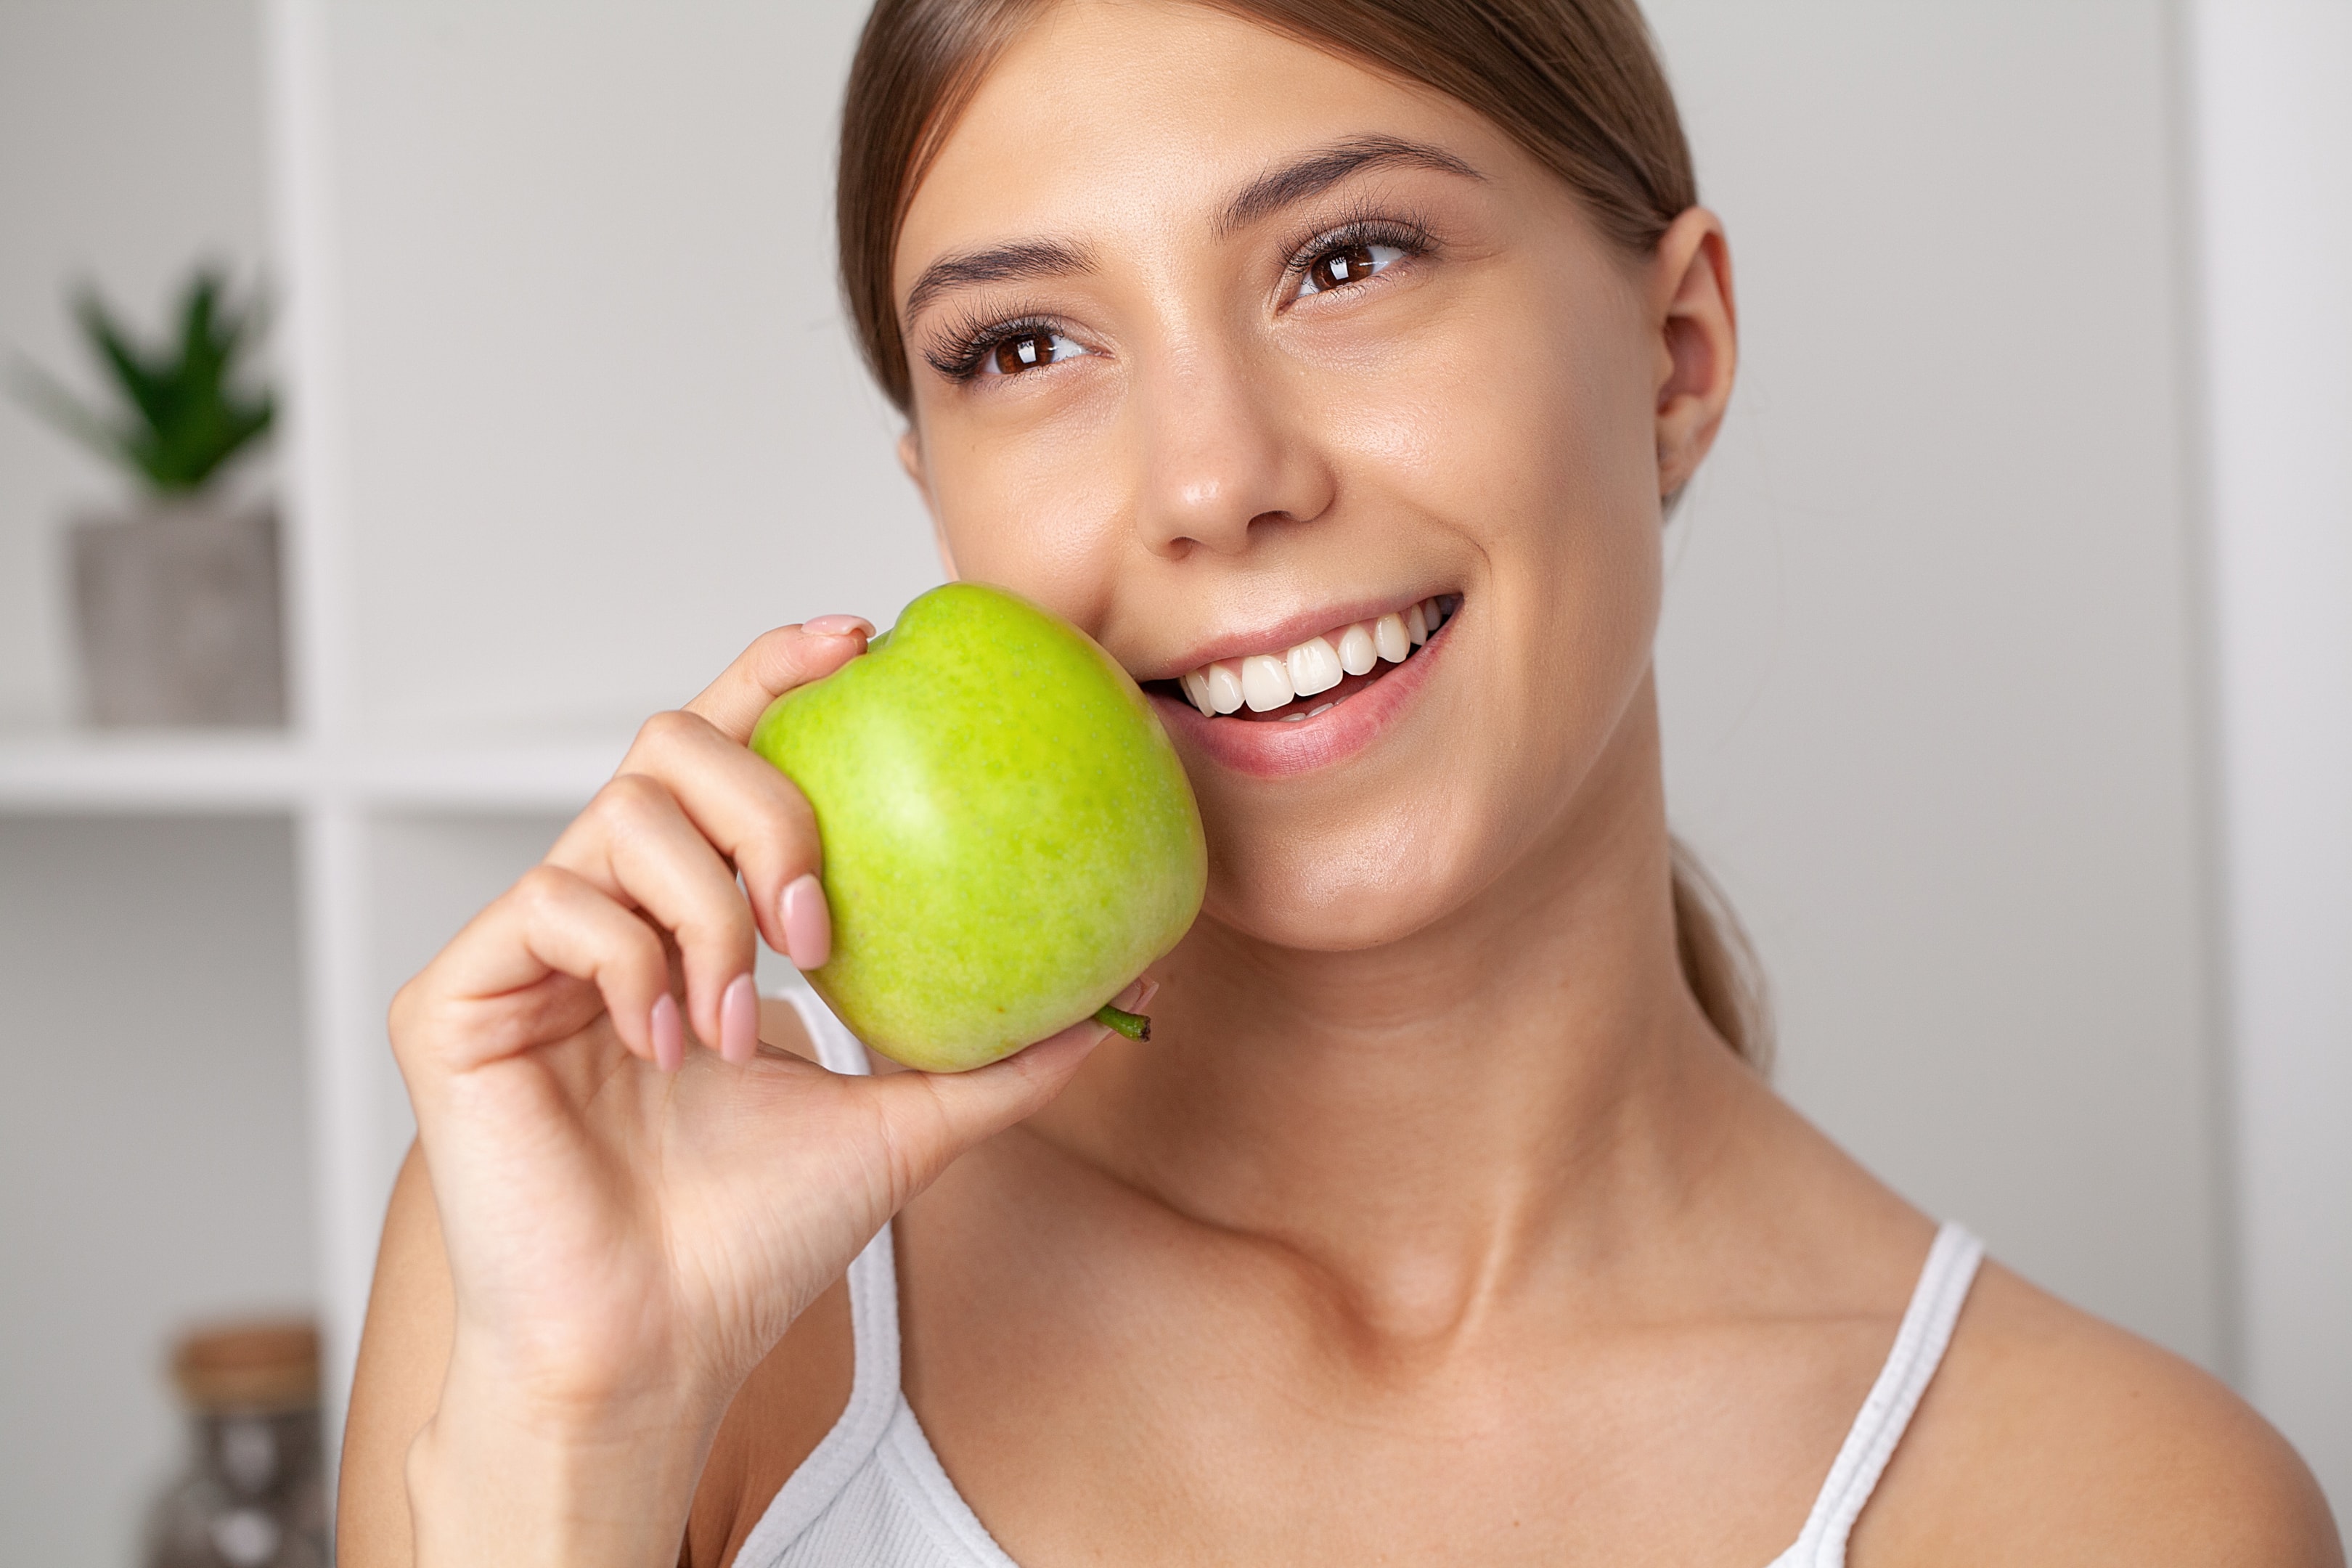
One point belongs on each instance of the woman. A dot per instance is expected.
(1445, 1220)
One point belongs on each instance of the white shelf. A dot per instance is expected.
(339, 797)
(196, 773)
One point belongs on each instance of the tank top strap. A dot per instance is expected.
(1919, 1346)
(838, 1050)
(874, 1392)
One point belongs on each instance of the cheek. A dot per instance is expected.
(1031, 508)
(1518, 427)
(1518, 441)
(1519, 417)
(1567, 508)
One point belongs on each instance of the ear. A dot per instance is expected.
(1698, 325)
(910, 459)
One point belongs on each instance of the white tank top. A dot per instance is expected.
(873, 1494)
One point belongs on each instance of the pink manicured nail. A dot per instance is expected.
(739, 1021)
(808, 924)
(669, 1035)
(839, 625)
(1144, 990)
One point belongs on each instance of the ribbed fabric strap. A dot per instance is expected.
(1919, 1345)
(873, 1397)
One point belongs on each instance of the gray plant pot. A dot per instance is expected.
(180, 616)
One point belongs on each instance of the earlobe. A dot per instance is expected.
(1698, 343)
(910, 459)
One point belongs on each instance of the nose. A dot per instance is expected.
(1219, 456)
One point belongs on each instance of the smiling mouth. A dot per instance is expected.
(1298, 682)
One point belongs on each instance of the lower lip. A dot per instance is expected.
(1273, 749)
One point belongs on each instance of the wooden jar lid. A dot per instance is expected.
(254, 1366)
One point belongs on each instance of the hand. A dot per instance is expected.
(633, 1222)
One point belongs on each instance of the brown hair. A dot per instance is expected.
(1576, 82)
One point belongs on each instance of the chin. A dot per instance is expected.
(1376, 879)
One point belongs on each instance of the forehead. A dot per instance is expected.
(1135, 115)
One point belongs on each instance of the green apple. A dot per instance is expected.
(1009, 837)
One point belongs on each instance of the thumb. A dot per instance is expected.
(929, 1119)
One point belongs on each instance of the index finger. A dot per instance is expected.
(780, 660)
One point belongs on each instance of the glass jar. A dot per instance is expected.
(254, 1494)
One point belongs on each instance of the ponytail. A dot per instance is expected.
(1718, 963)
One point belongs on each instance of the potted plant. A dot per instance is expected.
(177, 601)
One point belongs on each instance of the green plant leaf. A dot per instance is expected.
(184, 414)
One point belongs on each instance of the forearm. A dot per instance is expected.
(487, 1485)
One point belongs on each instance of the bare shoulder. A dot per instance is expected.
(2049, 1436)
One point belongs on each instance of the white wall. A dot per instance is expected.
(605, 421)
(129, 147)
(2274, 144)
(1930, 658)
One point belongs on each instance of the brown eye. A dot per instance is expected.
(1346, 264)
(1027, 349)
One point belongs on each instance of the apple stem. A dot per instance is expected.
(1134, 1026)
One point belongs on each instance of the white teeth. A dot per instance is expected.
(1266, 683)
(1225, 688)
(1314, 666)
(1324, 708)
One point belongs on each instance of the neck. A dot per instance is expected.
(1428, 1122)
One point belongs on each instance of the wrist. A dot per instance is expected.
(498, 1479)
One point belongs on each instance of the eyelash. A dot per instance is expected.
(1406, 235)
(969, 340)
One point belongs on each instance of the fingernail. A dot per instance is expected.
(739, 1021)
(1144, 990)
(669, 1033)
(839, 625)
(808, 924)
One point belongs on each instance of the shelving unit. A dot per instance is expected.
(566, 419)
(363, 910)
(91, 771)
(493, 567)
(396, 836)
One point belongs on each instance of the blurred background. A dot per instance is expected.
(2007, 661)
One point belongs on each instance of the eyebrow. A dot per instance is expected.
(1311, 175)
(1318, 172)
(1016, 263)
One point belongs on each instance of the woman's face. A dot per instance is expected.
(1222, 344)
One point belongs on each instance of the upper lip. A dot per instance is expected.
(1274, 636)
